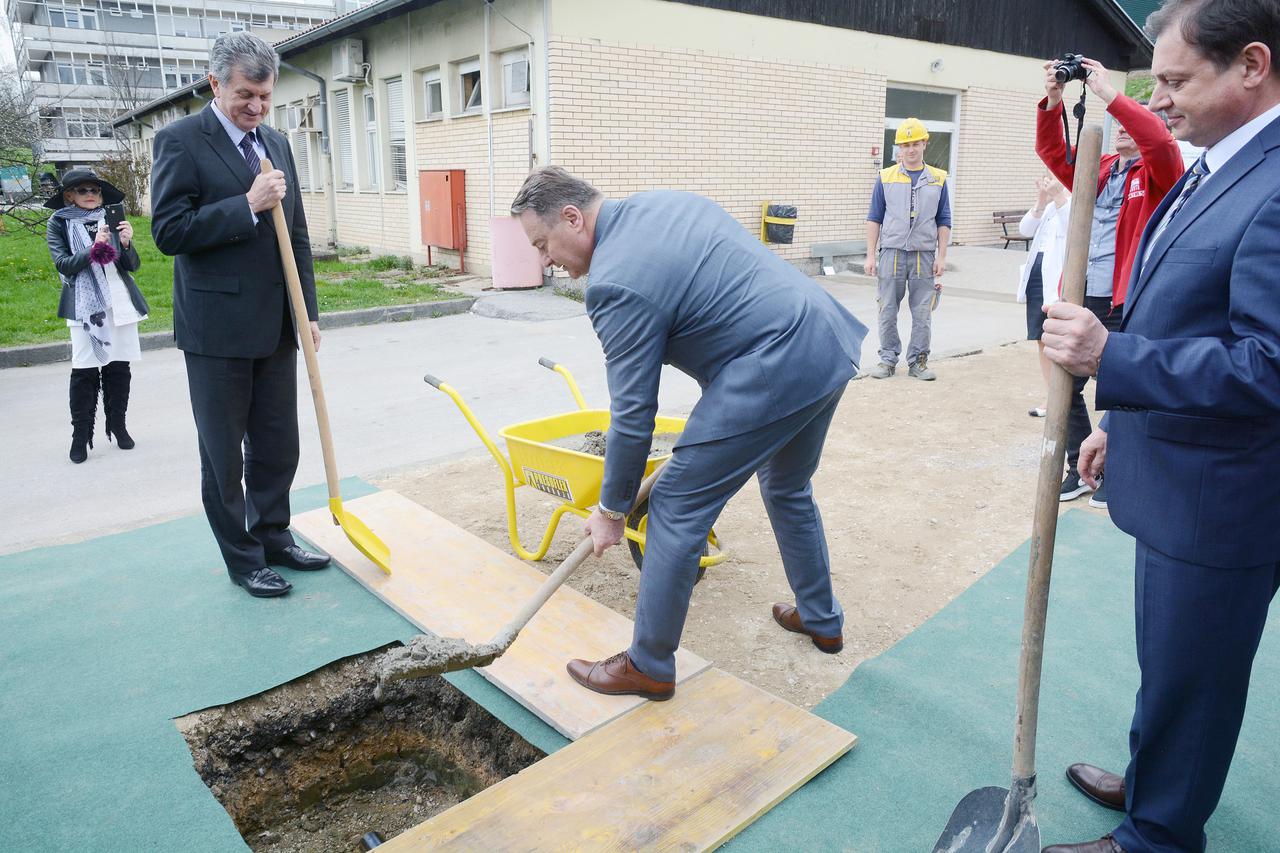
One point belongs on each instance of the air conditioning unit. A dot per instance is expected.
(348, 61)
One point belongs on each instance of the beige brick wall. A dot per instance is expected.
(378, 221)
(996, 163)
(738, 130)
(462, 143)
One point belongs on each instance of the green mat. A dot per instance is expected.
(934, 715)
(106, 641)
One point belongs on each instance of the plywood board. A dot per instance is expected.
(454, 584)
(687, 774)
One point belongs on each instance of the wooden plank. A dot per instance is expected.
(454, 584)
(687, 774)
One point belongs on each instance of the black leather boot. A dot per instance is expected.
(84, 406)
(115, 402)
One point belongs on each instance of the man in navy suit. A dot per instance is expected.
(677, 280)
(211, 210)
(1191, 438)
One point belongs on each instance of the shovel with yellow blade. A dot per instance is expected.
(357, 531)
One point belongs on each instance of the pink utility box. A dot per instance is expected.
(516, 264)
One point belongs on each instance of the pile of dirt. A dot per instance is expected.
(316, 763)
(594, 442)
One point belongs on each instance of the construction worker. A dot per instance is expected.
(908, 230)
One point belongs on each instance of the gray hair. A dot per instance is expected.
(547, 190)
(254, 57)
(1221, 29)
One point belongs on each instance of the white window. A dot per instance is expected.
(282, 123)
(469, 94)
(938, 112)
(396, 137)
(515, 77)
(66, 72)
(88, 19)
(95, 72)
(433, 94)
(372, 153)
(342, 132)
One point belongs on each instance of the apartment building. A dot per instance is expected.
(87, 61)
(743, 101)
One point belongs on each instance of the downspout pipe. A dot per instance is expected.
(330, 198)
(486, 98)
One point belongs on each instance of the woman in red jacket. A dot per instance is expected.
(1131, 184)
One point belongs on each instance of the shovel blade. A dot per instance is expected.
(365, 540)
(976, 821)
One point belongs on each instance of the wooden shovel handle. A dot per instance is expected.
(1045, 526)
(553, 582)
(302, 324)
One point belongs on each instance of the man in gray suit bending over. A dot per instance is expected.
(675, 279)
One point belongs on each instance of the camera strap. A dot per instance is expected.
(1078, 112)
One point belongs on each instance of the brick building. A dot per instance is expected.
(744, 101)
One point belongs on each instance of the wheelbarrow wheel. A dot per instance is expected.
(636, 522)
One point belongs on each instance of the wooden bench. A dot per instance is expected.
(828, 252)
(1005, 218)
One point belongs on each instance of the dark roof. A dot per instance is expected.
(1140, 9)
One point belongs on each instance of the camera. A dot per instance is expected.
(1070, 67)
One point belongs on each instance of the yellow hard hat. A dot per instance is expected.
(911, 130)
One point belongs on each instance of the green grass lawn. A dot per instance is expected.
(29, 285)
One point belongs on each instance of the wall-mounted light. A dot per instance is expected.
(935, 66)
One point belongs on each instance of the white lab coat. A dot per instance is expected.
(1049, 235)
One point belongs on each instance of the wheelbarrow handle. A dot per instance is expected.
(432, 380)
(547, 363)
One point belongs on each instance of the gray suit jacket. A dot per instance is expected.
(228, 282)
(677, 280)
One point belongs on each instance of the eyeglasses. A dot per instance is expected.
(89, 190)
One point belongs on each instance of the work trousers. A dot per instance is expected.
(1078, 425)
(249, 404)
(909, 274)
(687, 499)
(1197, 630)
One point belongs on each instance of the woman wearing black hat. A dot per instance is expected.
(100, 302)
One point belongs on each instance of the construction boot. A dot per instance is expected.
(115, 402)
(883, 370)
(920, 370)
(83, 396)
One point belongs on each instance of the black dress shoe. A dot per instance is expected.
(261, 583)
(1105, 789)
(1105, 844)
(295, 557)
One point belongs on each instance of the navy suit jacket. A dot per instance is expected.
(675, 279)
(1192, 378)
(228, 282)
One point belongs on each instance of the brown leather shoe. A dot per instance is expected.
(1105, 844)
(1105, 789)
(617, 676)
(788, 617)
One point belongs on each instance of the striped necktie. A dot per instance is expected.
(1198, 172)
(250, 154)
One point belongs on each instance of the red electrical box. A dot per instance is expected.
(444, 210)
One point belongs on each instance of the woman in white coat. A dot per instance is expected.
(1038, 286)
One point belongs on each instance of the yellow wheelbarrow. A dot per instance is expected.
(570, 475)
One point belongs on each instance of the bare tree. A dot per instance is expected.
(22, 135)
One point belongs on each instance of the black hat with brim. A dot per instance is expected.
(73, 178)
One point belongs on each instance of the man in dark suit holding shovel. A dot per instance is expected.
(1191, 439)
(211, 210)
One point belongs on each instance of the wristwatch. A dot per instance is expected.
(612, 515)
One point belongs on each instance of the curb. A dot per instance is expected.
(34, 354)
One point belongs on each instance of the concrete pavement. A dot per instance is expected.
(384, 417)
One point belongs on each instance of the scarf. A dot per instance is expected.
(90, 283)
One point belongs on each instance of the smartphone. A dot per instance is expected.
(115, 215)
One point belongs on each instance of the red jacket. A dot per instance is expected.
(1150, 178)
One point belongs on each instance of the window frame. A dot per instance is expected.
(519, 54)
(429, 77)
(374, 154)
(461, 71)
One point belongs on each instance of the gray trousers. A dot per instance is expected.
(687, 499)
(910, 274)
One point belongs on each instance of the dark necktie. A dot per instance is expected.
(250, 154)
(1198, 171)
